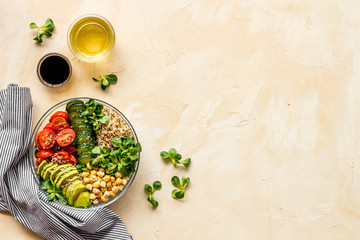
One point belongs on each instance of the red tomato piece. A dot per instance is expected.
(44, 153)
(59, 114)
(61, 157)
(60, 123)
(39, 161)
(49, 126)
(69, 149)
(46, 138)
(65, 137)
(37, 142)
(72, 160)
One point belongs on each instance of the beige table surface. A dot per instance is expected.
(264, 96)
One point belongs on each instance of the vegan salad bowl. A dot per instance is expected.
(84, 153)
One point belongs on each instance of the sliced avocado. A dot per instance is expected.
(73, 181)
(57, 170)
(62, 172)
(44, 168)
(73, 192)
(65, 177)
(41, 166)
(48, 171)
(83, 200)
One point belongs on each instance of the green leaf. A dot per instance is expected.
(104, 120)
(164, 155)
(148, 188)
(175, 181)
(157, 185)
(95, 80)
(177, 157)
(50, 197)
(185, 162)
(185, 182)
(96, 150)
(32, 25)
(103, 87)
(155, 204)
(116, 142)
(112, 78)
(63, 201)
(177, 194)
(172, 152)
(45, 184)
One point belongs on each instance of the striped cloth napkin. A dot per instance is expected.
(22, 196)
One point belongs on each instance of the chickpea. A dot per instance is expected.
(96, 184)
(86, 180)
(107, 194)
(95, 190)
(93, 178)
(112, 194)
(118, 181)
(112, 179)
(103, 184)
(101, 170)
(89, 187)
(124, 181)
(109, 185)
(93, 172)
(107, 171)
(92, 196)
(103, 189)
(95, 201)
(121, 187)
(104, 199)
(88, 166)
(96, 168)
(109, 188)
(106, 178)
(84, 174)
(100, 174)
(118, 175)
(115, 189)
(99, 195)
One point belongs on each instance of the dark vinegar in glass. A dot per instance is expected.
(54, 70)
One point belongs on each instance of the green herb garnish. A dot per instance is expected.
(122, 159)
(45, 29)
(151, 191)
(53, 192)
(81, 168)
(179, 193)
(175, 157)
(106, 80)
(94, 115)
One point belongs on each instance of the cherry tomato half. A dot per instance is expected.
(61, 157)
(50, 126)
(59, 114)
(60, 123)
(39, 161)
(45, 139)
(65, 137)
(72, 160)
(44, 153)
(69, 149)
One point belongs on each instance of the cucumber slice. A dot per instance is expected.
(77, 106)
(83, 127)
(70, 103)
(84, 147)
(74, 113)
(84, 138)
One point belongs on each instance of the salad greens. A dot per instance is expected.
(45, 29)
(53, 192)
(175, 157)
(94, 115)
(106, 80)
(175, 181)
(122, 159)
(151, 190)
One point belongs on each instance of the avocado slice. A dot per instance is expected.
(41, 166)
(65, 176)
(62, 173)
(83, 200)
(72, 181)
(44, 168)
(73, 192)
(48, 171)
(57, 170)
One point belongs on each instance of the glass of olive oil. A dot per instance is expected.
(91, 37)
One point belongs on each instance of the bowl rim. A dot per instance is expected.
(32, 147)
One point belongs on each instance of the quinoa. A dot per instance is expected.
(117, 127)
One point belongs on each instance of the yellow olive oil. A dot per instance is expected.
(91, 38)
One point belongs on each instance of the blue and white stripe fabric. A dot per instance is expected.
(22, 196)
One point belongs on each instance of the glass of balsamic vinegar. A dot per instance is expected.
(54, 70)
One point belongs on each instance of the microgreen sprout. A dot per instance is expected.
(48, 186)
(106, 80)
(94, 114)
(151, 190)
(175, 157)
(179, 193)
(45, 29)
